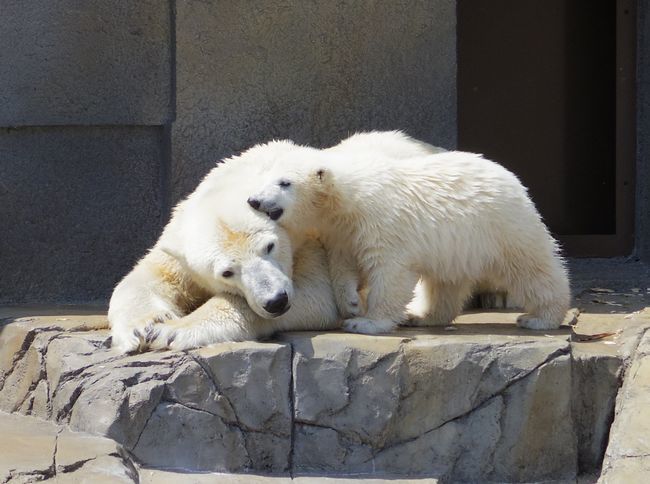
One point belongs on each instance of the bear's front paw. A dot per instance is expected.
(368, 326)
(530, 321)
(159, 336)
(129, 342)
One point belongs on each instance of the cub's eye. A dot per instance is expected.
(227, 274)
(284, 184)
(270, 247)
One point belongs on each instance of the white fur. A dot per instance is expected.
(344, 271)
(391, 144)
(177, 295)
(452, 219)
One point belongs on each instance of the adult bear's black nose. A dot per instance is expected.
(278, 305)
(254, 202)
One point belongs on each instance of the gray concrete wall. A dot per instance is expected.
(308, 70)
(110, 109)
(84, 62)
(643, 132)
(80, 204)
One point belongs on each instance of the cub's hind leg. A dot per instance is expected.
(541, 283)
(438, 303)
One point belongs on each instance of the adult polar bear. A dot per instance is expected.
(177, 296)
(455, 220)
(221, 272)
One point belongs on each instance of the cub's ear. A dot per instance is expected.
(322, 174)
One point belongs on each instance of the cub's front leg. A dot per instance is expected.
(346, 280)
(390, 289)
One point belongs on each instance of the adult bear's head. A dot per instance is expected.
(229, 248)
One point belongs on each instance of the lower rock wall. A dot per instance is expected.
(457, 406)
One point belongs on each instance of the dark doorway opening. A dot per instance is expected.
(547, 90)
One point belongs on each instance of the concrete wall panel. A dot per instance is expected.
(84, 62)
(78, 206)
(308, 70)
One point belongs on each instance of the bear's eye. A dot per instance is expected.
(270, 247)
(227, 274)
(284, 184)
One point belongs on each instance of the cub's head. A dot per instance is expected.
(229, 248)
(295, 189)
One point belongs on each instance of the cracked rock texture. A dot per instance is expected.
(485, 401)
(224, 408)
(419, 404)
(33, 450)
(628, 454)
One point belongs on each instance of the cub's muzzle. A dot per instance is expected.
(274, 212)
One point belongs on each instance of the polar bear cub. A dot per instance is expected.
(451, 219)
(346, 280)
(221, 272)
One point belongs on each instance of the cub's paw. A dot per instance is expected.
(529, 321)
(368, 326)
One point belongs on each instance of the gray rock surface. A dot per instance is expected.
(34, 450)
(483, 401)
(66, 62)
(78, 206)
(480, 401)
(596, 380)
(599, 367)
(628, 454)
(459, 407)
(224, 408)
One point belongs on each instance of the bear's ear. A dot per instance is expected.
(322, 174)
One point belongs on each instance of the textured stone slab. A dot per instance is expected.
(226, 408)
(78, 207)
(26, 447)
(249, 72)
(469, 406)
(33, 450)
(223, 408)
(85, 63)
(597, 372)
(483, 400)
(628, 452)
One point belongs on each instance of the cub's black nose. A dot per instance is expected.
(254, 202)
(278, 305)
(276, 213)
